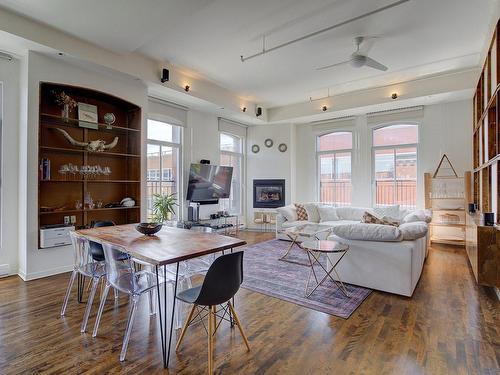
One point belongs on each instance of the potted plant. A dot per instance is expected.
(164, 207)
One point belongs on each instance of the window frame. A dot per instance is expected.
(334, 152)
(241, 156)
(180, 178)
(394, 147)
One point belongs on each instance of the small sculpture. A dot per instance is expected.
(92, 146)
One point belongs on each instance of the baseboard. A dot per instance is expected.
(45, 273)
(4, 270)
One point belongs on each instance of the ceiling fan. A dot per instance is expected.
(359, 58)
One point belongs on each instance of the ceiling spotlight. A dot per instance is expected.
(258, 111)
(186, 88)
(244, 109)
(324, 108)
(394, 96)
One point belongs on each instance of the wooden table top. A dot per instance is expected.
(169, 245)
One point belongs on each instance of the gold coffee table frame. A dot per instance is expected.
(314, 249)
(309, 231)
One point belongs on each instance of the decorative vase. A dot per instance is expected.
(65, 112)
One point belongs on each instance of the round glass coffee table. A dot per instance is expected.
(314, 250)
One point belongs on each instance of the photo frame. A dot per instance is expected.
(87, 116)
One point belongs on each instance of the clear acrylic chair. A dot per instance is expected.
(121, 275)
(87, 267)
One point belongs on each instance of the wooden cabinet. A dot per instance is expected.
(483, 249)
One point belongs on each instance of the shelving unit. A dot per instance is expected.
(486, 153)
(482, 242)
(60, 193)
(447, 195)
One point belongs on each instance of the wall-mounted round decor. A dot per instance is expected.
(268, 142)
(255, 149)
(282, 147)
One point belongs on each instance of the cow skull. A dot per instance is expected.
(92, 146)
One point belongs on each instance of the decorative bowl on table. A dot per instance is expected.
(149, 229)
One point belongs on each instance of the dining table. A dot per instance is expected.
(169, 246)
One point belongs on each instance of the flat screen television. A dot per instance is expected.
(208, 183)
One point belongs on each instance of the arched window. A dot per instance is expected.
(395, 164)
(334, 151)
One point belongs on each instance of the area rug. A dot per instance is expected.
(266, 274)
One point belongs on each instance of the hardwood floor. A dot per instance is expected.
(449, 326)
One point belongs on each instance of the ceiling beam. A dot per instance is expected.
(423, 87)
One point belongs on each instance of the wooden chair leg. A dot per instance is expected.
(215, 320)
(237, 321)
(210, 341)
(184, 328)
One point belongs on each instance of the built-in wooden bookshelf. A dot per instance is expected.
(482, 242)
(57, 196)
(486, 153)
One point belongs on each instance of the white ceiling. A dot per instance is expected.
(416, 39)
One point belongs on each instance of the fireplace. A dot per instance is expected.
(268, 193)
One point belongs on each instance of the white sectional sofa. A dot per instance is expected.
(392, 266)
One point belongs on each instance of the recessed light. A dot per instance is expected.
(187, 88)
(394, 96)
(244, 109)
(324, 108)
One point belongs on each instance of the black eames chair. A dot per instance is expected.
(221, 283)
(96, 248)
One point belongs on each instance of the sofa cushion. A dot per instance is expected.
(312, 212)
(368, 232)
(301, 212)
(350, 213)
(418, 215)
(391, 211)
(369, 218)
(291, 224)
(412, 231)
(327, 213)
(338, 222)
(288, 212)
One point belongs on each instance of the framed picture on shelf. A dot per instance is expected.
(87, 116)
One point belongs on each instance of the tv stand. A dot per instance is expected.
(228, 225)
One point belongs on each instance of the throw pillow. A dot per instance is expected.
(327, 213)
(288, 212)
(368, 232)
(414, 230)
(350, 213)
(418, 215)
(391, 211)
(312, 212)
(369, 218)
(301, 212)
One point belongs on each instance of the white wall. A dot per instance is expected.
(201, 141)
(269, 162)
(9, 114)
(41, 68)
(444, 128)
